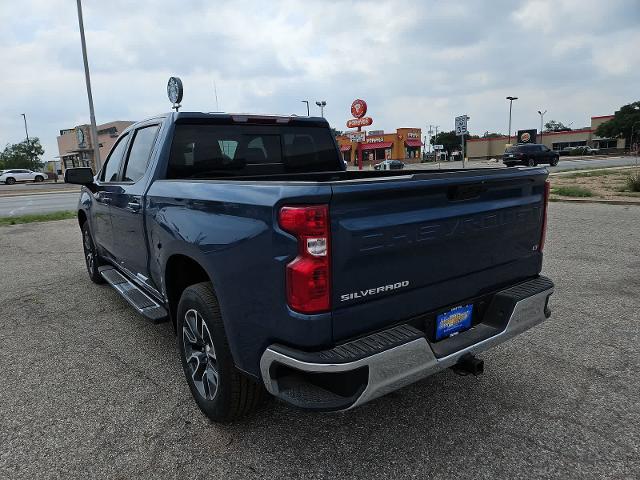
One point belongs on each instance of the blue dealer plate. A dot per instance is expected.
(456, 319)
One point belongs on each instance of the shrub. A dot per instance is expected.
(633, 182)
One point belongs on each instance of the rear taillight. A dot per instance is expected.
(543, 235)
(308, 275)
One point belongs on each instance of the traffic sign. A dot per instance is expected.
(461, 125)
(438, 147)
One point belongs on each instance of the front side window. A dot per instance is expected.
(139, 153)
(112, 165)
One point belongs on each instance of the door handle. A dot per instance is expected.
(133, 206)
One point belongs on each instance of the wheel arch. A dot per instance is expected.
(180, 272)
(82, 217)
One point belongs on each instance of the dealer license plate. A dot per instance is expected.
(453, 321)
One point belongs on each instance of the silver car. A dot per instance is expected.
(21, 175)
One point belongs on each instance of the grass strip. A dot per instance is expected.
(38, 217)
(570, 191)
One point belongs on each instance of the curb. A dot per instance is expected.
(27, 194)
(578, 170)
(588, 200)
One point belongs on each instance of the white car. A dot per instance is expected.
(21, 175)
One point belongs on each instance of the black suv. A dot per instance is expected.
(530, 154)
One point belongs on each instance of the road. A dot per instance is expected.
(30, 187)
(11, 206)
(16, 200)
(92, 390)
(566, 163)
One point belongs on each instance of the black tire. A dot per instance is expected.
(554, 161)
(10, 181)
(39, 179)
(91, 257)
(220, 390)
(531, 162)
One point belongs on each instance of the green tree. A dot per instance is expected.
(492, 135)
(22, 155)
(449, 140)
(623, 121)
(555, 126)
(336, 133)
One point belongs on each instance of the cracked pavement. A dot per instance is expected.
(89, 389)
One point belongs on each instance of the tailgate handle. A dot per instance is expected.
(465, 192)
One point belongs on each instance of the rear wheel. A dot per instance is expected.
(91, 258)
(221, 391)
(531, 162)
(39, 178)
(10, 181)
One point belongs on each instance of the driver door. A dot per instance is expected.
(106, 185)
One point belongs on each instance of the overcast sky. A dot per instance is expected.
(415, 63)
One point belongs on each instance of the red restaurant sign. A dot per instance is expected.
(359, 108)
(359, 122)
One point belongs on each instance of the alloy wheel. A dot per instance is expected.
(200, 354)
(88, 252)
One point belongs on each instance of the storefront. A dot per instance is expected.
(404, 144)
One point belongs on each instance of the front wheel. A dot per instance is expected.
(91, 258)
(39, 179)
(531, 162)
(221, 391)
(554, 161)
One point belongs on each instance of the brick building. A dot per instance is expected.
(484, 148)
(76, 150)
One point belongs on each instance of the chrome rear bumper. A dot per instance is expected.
(373, 366)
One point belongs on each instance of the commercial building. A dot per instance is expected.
(485, 148)
(404, 144)
(76, 150)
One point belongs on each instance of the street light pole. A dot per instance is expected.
(94, 129)
(321, 104)
(307, 102)
(631, 141)
(541, 117)
(27, 133)
(511, 99)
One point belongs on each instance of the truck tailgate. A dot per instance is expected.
(403, 246)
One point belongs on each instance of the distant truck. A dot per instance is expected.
(282, 272)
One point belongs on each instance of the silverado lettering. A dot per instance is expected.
(373, 291)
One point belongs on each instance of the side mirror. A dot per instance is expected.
(79, 176)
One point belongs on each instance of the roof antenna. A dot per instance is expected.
(215, 91)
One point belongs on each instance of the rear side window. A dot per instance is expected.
(205, 151)
(111, 168)
(139, 153)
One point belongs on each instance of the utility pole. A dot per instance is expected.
(541, 120)
(511, 99)
(94, 129)
(28, 141)
(307, 102)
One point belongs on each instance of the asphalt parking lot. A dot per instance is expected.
(89, 389)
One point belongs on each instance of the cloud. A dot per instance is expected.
(416, 63)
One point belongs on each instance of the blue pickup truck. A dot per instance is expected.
(282, 272)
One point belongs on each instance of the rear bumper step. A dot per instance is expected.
(356, 372)
(133, 294)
